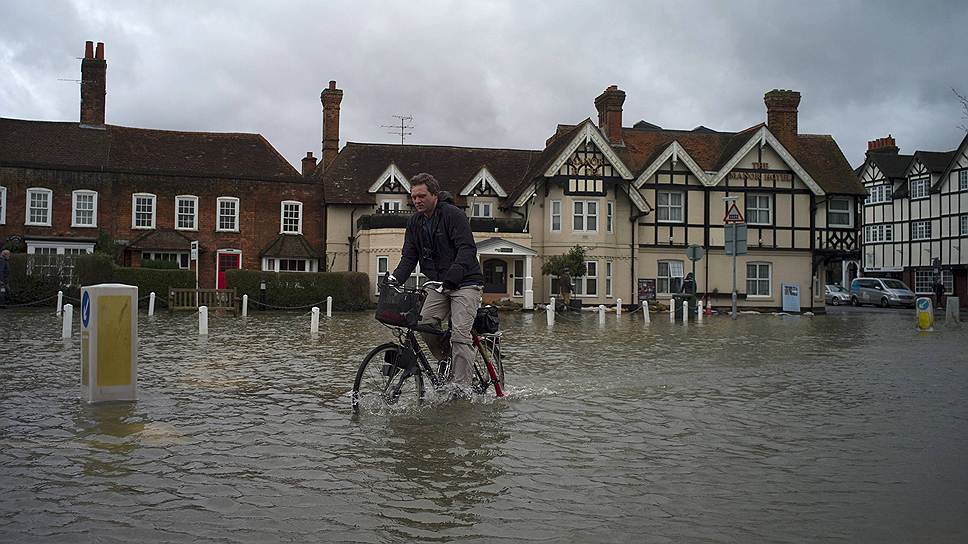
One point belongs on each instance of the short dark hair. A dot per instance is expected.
(423, 178)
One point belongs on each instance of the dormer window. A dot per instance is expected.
(481, 209)
(919, 188)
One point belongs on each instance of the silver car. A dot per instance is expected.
(836, 295)
(880, 291)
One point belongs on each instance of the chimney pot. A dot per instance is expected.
(89, 50)
(308, 164)
(332, 84)
(93, 84)
(99, 54)
(883, 145)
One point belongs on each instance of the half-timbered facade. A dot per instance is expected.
(916, 216)
(634, 197)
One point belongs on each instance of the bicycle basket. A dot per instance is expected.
(486, 321)
(400, 308)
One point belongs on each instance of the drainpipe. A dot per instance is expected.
(352, 241)
(634, 219)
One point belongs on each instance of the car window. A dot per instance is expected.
(836, 288)
(868, 284)
(894, 284)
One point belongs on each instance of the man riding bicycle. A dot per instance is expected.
(439, 237)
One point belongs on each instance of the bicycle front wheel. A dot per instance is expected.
(382, 383)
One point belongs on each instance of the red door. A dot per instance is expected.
(227, 261)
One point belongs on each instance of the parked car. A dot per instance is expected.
(836, 295)
(880, 291)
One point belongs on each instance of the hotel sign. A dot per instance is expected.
(765, 176)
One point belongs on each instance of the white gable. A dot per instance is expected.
(674, 153)
(480, 183)
(762, 137)
(391, 180)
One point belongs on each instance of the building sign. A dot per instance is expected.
(646, 289)
(883, 269)
(765, 176)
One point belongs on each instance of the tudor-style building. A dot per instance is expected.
(635, 197)
(66, 186)
(916, 216)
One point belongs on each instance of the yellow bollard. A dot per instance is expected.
(109, 342)
(925, 314)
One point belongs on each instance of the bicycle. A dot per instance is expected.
(395, 371)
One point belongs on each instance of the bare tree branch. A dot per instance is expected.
(964, 109)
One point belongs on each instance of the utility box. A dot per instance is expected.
(109, 342)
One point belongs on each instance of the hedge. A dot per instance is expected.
(350, 290)
(44, 281)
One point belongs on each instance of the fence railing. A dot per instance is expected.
(191, 299)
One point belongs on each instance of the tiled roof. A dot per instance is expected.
(820, 155)
(161, 239)
(290, 246)
(358, 166)
(891, 165)
(111, 148)
(935, 161)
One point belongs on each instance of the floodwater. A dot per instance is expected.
(849, 427)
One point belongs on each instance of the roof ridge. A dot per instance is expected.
(441, 146)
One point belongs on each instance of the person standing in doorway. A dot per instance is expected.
(4, 277)
(439, 237)
(938, 293)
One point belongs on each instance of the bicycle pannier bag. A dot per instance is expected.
(486, 321)
(398, 308)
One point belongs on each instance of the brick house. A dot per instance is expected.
(67, 186)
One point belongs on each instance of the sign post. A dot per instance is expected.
(735, 239)
(695, 253)
(194, 257)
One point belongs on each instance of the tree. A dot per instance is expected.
(566, 266)
(964, 109)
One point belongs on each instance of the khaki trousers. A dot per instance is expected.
(460, 305)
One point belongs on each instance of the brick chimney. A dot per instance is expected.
(609, 105)
(883, 145)
(331, 98)
(781, 116)
(308, 164)
(93, 84)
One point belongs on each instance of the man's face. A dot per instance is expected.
(423, 201)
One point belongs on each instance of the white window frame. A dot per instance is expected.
(608, 279)
(134, 210)
(178, 214)
(919, 188)
(516, 278)
(50, 207)
(581, 284)
(391, 205)
(482, 209)
(74, 210)
(380, 276)
(218, 213)
(3, 205)
(879, 194)
(610, 216)
(754, 209)
(282, 216)
(586, 217)
(831, 213)
(670, 264)
(921, 230)
(759, 280)
(669, 207)
(925, 276)
(963, 180)
(150, 255)
(555, 215)
(963, 225)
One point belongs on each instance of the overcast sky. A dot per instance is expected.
(494, 74)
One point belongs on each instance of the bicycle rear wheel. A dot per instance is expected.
(380, 383)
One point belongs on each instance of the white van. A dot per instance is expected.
(881, 291)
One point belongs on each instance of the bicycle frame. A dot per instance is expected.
(436, 379)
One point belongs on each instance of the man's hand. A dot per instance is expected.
(391, 280)
(449, 286)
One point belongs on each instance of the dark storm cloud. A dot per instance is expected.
(494, 73)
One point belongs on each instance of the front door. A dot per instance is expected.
(227, 261)
(495, 276)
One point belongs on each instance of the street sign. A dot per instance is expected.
(733, 215)
(694, 252)
(736, 239)
(194, 256)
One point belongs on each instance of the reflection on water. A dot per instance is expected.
(848, 427)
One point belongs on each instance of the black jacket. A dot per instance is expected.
(4, 271)
(444, 246)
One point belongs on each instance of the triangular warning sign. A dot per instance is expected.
(733, 215)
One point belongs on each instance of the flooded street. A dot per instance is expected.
(849, 427)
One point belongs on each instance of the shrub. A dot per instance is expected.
(350, 290)
(148, 280)
(24, 288)
(159, 264)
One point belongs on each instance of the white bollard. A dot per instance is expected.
(202, 320)
(60, 302)
(329, 306)
(698, 310)
(68, 321)
(550, 311)
(314, 322)
(151, 303)
(952, 308)
(618, 306)
(685, 312)
(645, 311)
(672, 310)
(601, 312)
(245, 305)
